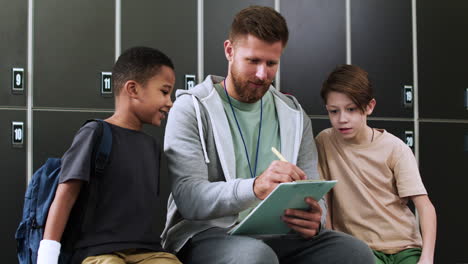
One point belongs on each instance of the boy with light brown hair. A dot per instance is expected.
(376, 172)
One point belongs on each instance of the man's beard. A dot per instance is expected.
(249, 94)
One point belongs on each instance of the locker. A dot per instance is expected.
(13, 48)
(316, 45)
(442, 57)
(381, 43)
(13, 167)
(54, 132)
(73, 43)
(444, 167)
(400, 129)
(319, 124)
(165, 26)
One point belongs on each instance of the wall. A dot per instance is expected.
(64, 46)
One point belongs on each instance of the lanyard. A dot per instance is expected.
(254, 172)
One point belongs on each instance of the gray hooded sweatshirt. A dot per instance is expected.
(198, 144)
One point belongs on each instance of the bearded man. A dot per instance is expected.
(218, 143)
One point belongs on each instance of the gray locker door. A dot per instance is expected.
(54, 132)
(319, 124)
(73, 43)
(166, 26)
(400, 129)
(442, 57)
(317, 44)
(444, 167)
(381, 43)
(12, 189)
(218, 17)
(13, 49)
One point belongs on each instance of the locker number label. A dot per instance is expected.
(106, 83)
(409, 139)
(190, 81)
(17, 130)
(408, 96)
(17, 86)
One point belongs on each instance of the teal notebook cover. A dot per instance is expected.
(265, 219)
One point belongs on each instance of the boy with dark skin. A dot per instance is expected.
(122, 228)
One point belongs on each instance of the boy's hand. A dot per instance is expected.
(276, 173)
(49, 251)
(307, 223)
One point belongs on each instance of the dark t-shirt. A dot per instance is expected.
(126, 212)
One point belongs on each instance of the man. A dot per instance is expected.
(218, 144)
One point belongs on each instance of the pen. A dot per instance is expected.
(278, 154)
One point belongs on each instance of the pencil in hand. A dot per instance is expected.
(278, 154)
(280, 157)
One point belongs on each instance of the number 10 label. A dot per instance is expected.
(17, 134)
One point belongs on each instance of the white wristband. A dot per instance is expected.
(49, 251)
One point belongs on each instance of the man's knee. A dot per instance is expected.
(234, 250)
(255, 251)
(350, 249)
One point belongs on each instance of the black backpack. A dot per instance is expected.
(40, 195)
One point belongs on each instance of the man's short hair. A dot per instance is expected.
(261, 22)
(139, 64)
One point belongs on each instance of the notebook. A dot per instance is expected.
(265, 218)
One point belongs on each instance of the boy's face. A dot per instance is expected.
(347, 118)
(155, 98)
(252, 66)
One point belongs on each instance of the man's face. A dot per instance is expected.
(252, 66)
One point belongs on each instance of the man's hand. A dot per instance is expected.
(276, 173)
(306, 223)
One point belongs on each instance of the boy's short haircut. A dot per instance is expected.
(139, 64)
(352, 81)
(261, 22)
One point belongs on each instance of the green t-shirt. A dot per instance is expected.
(248, 116)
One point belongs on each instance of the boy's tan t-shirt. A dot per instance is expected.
(369, 201)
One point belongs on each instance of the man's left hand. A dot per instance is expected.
(306, 223)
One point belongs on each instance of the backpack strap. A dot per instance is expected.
(101, 159)
(105, 146)
(104, 149)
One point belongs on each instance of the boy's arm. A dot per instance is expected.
(428, 223)
(59, 211)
